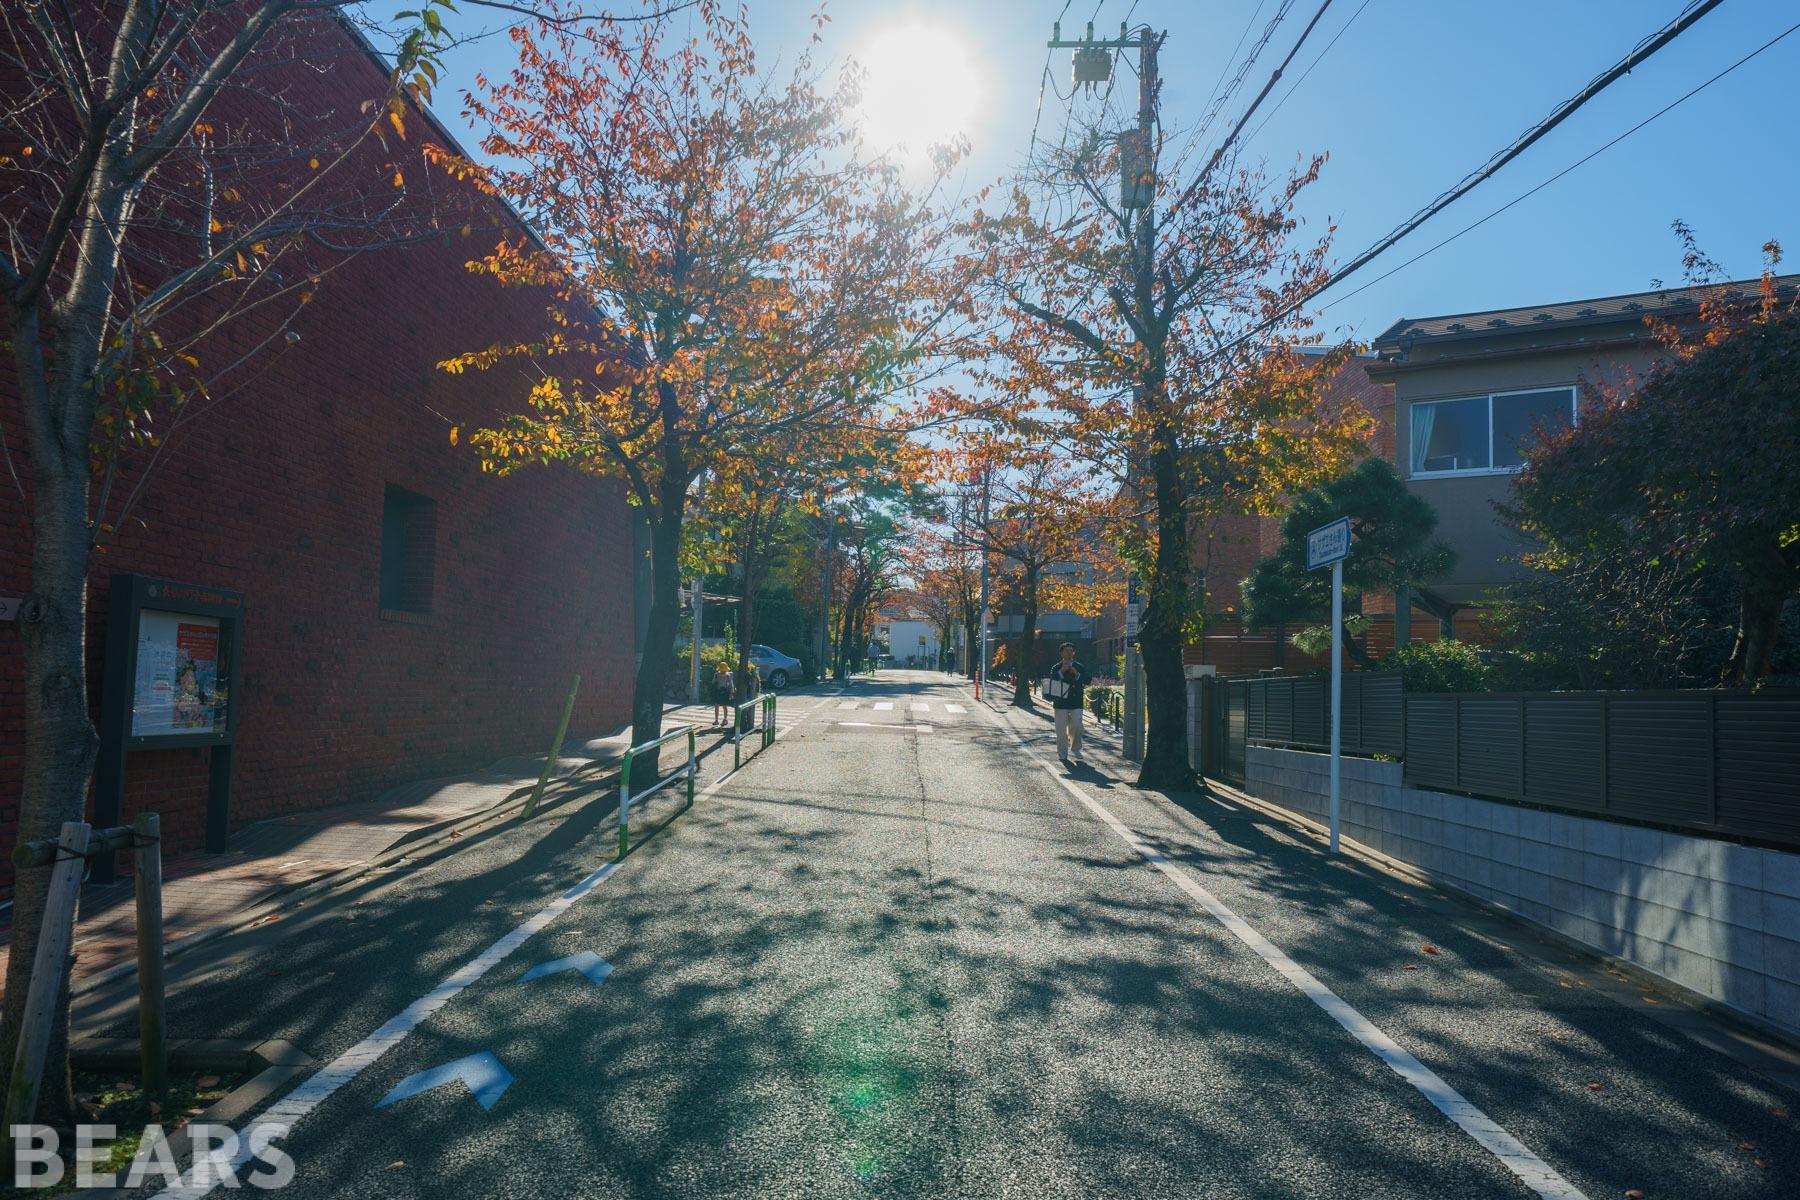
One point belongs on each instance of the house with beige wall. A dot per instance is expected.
(1469, 392)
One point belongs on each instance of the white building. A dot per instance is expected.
(911, 636)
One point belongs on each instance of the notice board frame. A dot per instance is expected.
(130, 597)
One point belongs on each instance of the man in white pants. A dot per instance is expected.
(1067, 678)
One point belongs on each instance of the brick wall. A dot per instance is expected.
(277, 492)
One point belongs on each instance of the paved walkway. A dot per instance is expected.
(268, 858)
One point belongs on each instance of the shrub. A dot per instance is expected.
(1441, 666)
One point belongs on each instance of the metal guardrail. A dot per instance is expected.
(740, 728)
(626, 799)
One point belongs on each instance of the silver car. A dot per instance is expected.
(777, 669)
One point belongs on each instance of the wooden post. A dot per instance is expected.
(54, 936)
(562, 728)
(152, 1046)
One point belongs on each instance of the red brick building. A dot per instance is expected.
(407, 615)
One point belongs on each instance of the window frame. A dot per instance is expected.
(1490, 397)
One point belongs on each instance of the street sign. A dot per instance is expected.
(1328, 544)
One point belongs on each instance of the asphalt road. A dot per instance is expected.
(899, 956)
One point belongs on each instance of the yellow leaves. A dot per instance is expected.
(313, 162)
(215, 226)
(398, 122)
(399, 179)
(454, 433)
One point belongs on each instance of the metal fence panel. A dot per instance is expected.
(1278, 719)
(1383, 713)
(1491, 745)
(1758, 754)
(1431, 742)
(1312, 711)
(1659, 757)
(1237, 726)
(1565, 760)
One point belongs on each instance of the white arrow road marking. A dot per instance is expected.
(481, 1073)
(587, 962)
(1513, 1154)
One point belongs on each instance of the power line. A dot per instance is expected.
(1237, 80)
(1042, 80)
(1304, 75)
(1580, 162)
(1274, 78)
(1638, 54)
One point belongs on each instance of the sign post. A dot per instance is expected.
(1330, 545)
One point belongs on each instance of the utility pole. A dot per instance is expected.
(1137, 194)
(981, 668)
(695, 606)
(825, 593)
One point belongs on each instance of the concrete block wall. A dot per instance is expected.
(1720, 919)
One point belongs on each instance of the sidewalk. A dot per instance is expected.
(268, 858)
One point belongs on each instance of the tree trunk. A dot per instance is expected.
(665, 618)
(1759, 619)
(1027, 641)
(1161, 635)
(58, 401)
(60, 742)
(972, 663)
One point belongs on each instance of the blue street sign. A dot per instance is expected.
(1328, 544)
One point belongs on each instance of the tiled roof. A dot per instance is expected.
(1667, 302)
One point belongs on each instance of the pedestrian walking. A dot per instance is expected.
(724, 691)
(1064, 686)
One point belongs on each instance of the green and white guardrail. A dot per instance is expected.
(626, 799)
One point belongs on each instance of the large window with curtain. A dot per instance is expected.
(1472, 435)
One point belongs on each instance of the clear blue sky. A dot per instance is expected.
(1413, 95)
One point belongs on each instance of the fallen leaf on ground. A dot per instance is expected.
(1763, 1163)
(207, 1081)
(1430, 949)
(1594, 1087)
(1563, 983)
(395, 1165)
(1779, 1112)
(1410, 967)
(1634, 1194)
(1746, 1145)
(1651, 1000)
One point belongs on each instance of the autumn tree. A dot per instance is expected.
(1699, 465)
(1046, 534)
(171, 194)
(1153, 338)
(728, 265)
(946, 570)
(1391, 529)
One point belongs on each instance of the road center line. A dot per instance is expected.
(1513, 1154)
(281, 1117)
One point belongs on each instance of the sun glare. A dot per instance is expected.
(920, 91)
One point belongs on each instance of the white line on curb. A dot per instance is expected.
(1513, 1154)
(280, 1118)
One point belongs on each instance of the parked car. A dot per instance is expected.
(777, 669)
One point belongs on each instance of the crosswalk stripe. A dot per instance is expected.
(884, 706)
(849, 704)
(921, 708)
(955, 708)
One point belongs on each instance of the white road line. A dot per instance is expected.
(955, 708)
(885, 706)
(921, 708)
(277, 1120)
(849, 704)
(1513, 1154)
